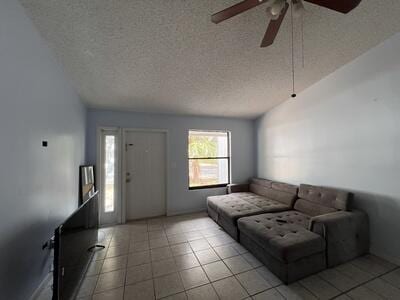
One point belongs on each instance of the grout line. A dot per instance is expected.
(97, 279)
(210, 282)
(234, 275)
(280, 292)
(209, 279)
(126, 273)
(369, 280)
(312, 293)
(395, 269)
(271, 288)
(152, 277)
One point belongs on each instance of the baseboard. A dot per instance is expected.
(41, 286)
(183, 212)
(390, 258)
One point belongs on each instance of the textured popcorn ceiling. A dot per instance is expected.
(167, 56)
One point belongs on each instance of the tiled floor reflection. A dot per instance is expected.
(190, 257)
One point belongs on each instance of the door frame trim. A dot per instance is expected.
(123, 166)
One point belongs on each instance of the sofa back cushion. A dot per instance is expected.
(315, 200)
(284, 187)
(278, 191)
(262, 182)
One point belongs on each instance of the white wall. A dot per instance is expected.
(180, 199)
(344, 132)
(39, 186)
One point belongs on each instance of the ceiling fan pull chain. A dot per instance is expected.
(302, 39)
(292, 25)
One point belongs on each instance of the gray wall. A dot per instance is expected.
(39, 186)
(180, 199)
(345, 132)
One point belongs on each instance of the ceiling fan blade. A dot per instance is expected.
(235, 10)
(273, 28)
(343, 6)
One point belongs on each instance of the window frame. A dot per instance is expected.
(228, 158)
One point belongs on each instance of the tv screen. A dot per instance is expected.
(74, 242)
(87, 183)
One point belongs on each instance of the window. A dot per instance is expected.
(109, 173)
(209, 159)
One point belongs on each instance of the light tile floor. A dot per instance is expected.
(191, 257)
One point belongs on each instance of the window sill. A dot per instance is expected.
(208, 186)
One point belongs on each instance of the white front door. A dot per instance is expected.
(145, 174)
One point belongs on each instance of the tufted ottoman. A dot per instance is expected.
(284, 244)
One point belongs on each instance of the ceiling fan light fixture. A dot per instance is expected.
(270, 15)
(277, 7)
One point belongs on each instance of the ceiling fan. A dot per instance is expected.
(276, 10)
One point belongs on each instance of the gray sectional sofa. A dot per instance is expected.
(294, 232)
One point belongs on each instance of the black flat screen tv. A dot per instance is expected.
(74, 244)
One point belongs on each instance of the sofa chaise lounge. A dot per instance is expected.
(242, 200)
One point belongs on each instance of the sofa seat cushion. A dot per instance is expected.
(290, 217)
(268, 205)
(248, 205)
(216, 201)
(233, 211)
(237, 205)
(288, 241)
